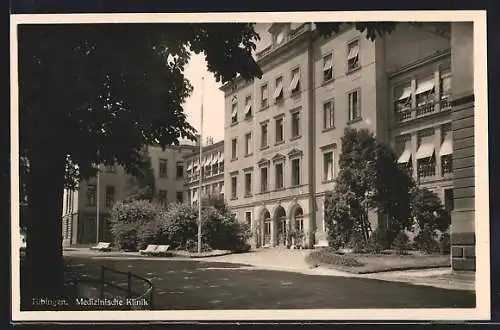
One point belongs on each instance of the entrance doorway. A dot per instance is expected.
(280, 217)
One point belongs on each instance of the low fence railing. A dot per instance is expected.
(108, 291)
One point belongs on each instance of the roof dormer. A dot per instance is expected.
(279, 32)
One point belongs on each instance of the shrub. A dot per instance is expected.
(445, 243)
(125, 235)
(330, 257)
(128, 222)
(357, 242)
(426, 240)
(192, 246)
(148, 233)
(380, 240)
(401, 243)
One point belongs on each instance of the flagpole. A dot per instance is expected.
(201, 167)
(97, 204)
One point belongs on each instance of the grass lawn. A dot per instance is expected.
(193, 284)
(371, 263)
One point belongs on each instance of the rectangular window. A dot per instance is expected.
(279, 176)
(110, 196)
(353, 55)
(248, 144)
(180, 170)
(233, 149)
(248, 106)
(248, 218)
(163, 168)
(263, 135)
(448, 199)
(279, 130)
(248, 184)
(328, 67)
(234, 187)
(402, 98)
(179, 196)
(445, 84)
(295, 124)
(403, 152)
(264, 96)
(425, 91)
(234, 110)
(328, 115)
(263, 180)
(296, 172)
(295, 81)
(91, 195)
(328, 166)
(354, 105)
(446, 150)
(278, 92)
(162, 196)
(426, 160)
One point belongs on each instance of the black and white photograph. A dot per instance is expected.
(250, 166)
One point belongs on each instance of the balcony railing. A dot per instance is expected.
(422, 110)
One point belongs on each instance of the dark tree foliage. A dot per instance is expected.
(428, 210)
(97, 94)
(372, 29)
(369, 179)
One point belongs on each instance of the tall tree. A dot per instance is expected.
(97, 94)
(369, 179)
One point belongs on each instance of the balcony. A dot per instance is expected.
(427, 109)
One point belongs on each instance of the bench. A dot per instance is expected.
(102, 246)
(151, 248)
(161, 250)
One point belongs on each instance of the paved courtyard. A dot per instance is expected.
(189, 284)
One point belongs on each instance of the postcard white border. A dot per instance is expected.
(482, 310)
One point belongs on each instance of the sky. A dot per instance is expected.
(213, 98)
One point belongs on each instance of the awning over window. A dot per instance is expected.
(353, 52)
(425, 150)
(295, 80)
(195, 195)
(215, 159)
(234, 112)
(265, 93)
(278, 90)
(222, 189)
(208, 160)
(221, 158)
(405, 94)
(234, 100)
(328, 63)
(425, 86)
(446, 147)
(405, 156)
(190, 167)
(248, 108)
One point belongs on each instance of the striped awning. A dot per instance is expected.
(446, 147)
(405, 156)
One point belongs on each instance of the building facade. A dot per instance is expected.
(212, 171)
(79, 218)
(283, 131)
(463, 238)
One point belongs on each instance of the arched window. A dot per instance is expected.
(299, 219)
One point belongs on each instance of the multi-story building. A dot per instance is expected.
(283, 131)
(212, 170)
(463, 236)
(79, 219)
